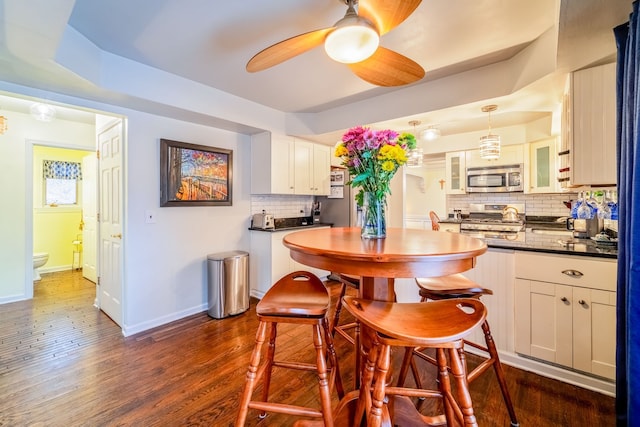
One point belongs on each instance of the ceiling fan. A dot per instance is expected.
(354, 40)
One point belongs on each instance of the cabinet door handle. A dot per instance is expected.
(573, 273)
(582, 302)
(564, 299)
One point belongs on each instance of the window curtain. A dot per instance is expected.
(628, 157)
(55, 169)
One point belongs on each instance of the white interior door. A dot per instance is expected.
(110, 222)
(89, 218)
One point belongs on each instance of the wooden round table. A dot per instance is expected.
(404, 253)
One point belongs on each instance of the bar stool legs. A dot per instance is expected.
(442, 326)
(452, 287)
(298, 298)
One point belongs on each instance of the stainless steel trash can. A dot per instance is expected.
(228, 283)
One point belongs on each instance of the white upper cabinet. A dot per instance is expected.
(593, 124)
(282, 165)
(312, 168)
(321, 170)
(456, 172)
(542, 167)
(272, 163)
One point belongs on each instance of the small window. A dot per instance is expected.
(61, 191)
(61, 182)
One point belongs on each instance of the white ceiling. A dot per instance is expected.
(210, 43)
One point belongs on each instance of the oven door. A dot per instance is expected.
(509, 236)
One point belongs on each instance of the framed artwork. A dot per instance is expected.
(194, 175)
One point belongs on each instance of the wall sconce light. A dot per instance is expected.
(416, 155)
(43, 112)
(490, 144)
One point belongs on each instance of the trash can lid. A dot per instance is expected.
(224, 255)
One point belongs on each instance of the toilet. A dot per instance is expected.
(39, 259)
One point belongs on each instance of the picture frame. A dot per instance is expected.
(195, 175)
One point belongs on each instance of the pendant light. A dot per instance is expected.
(490, 144)
(3, 125)
(415, 156)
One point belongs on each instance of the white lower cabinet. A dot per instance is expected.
(495, 270)
(270, 260)
(565, 311)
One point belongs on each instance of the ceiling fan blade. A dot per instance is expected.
(388, 68)
(386, 14)
(286, 49)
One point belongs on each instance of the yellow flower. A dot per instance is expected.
(388, 166)
(341, 150)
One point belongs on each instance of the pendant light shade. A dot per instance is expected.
(416, 155)
(490, 144)
(3, 124)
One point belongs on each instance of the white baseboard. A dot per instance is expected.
(551, 371)
(129, 330)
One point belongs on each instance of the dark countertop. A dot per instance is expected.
(556, 244)
(291, 227)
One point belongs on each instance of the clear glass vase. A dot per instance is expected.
(374, 221)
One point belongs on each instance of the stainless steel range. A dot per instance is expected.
(495, 221)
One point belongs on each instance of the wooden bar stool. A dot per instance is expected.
(452, 287)
(347, 280)
(439, 325)
(297, 298)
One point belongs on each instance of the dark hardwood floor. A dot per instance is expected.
(64, 363)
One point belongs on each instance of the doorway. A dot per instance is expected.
(113, 267)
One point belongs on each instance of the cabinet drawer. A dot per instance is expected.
(568, 270)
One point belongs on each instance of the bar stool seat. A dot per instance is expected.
(442, 325)
(297, 298)
(453, 287)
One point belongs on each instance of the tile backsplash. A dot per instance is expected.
(282, 206)
(536, 204)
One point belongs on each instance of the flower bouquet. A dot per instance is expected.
(372, 159)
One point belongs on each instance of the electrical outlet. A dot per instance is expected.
(150, 217)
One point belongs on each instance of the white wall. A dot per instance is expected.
(165, 277)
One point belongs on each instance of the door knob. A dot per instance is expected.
(117, 236)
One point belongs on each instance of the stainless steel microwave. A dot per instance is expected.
(495, 179)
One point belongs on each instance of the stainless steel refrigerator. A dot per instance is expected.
(339, 209)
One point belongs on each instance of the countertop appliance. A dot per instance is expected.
(263, 220)
(495, 179)
(488, 221)
(584, 228)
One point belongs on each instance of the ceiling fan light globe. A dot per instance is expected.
(353, 40)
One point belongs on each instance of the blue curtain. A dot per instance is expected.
(628, 156)
(61, 170)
